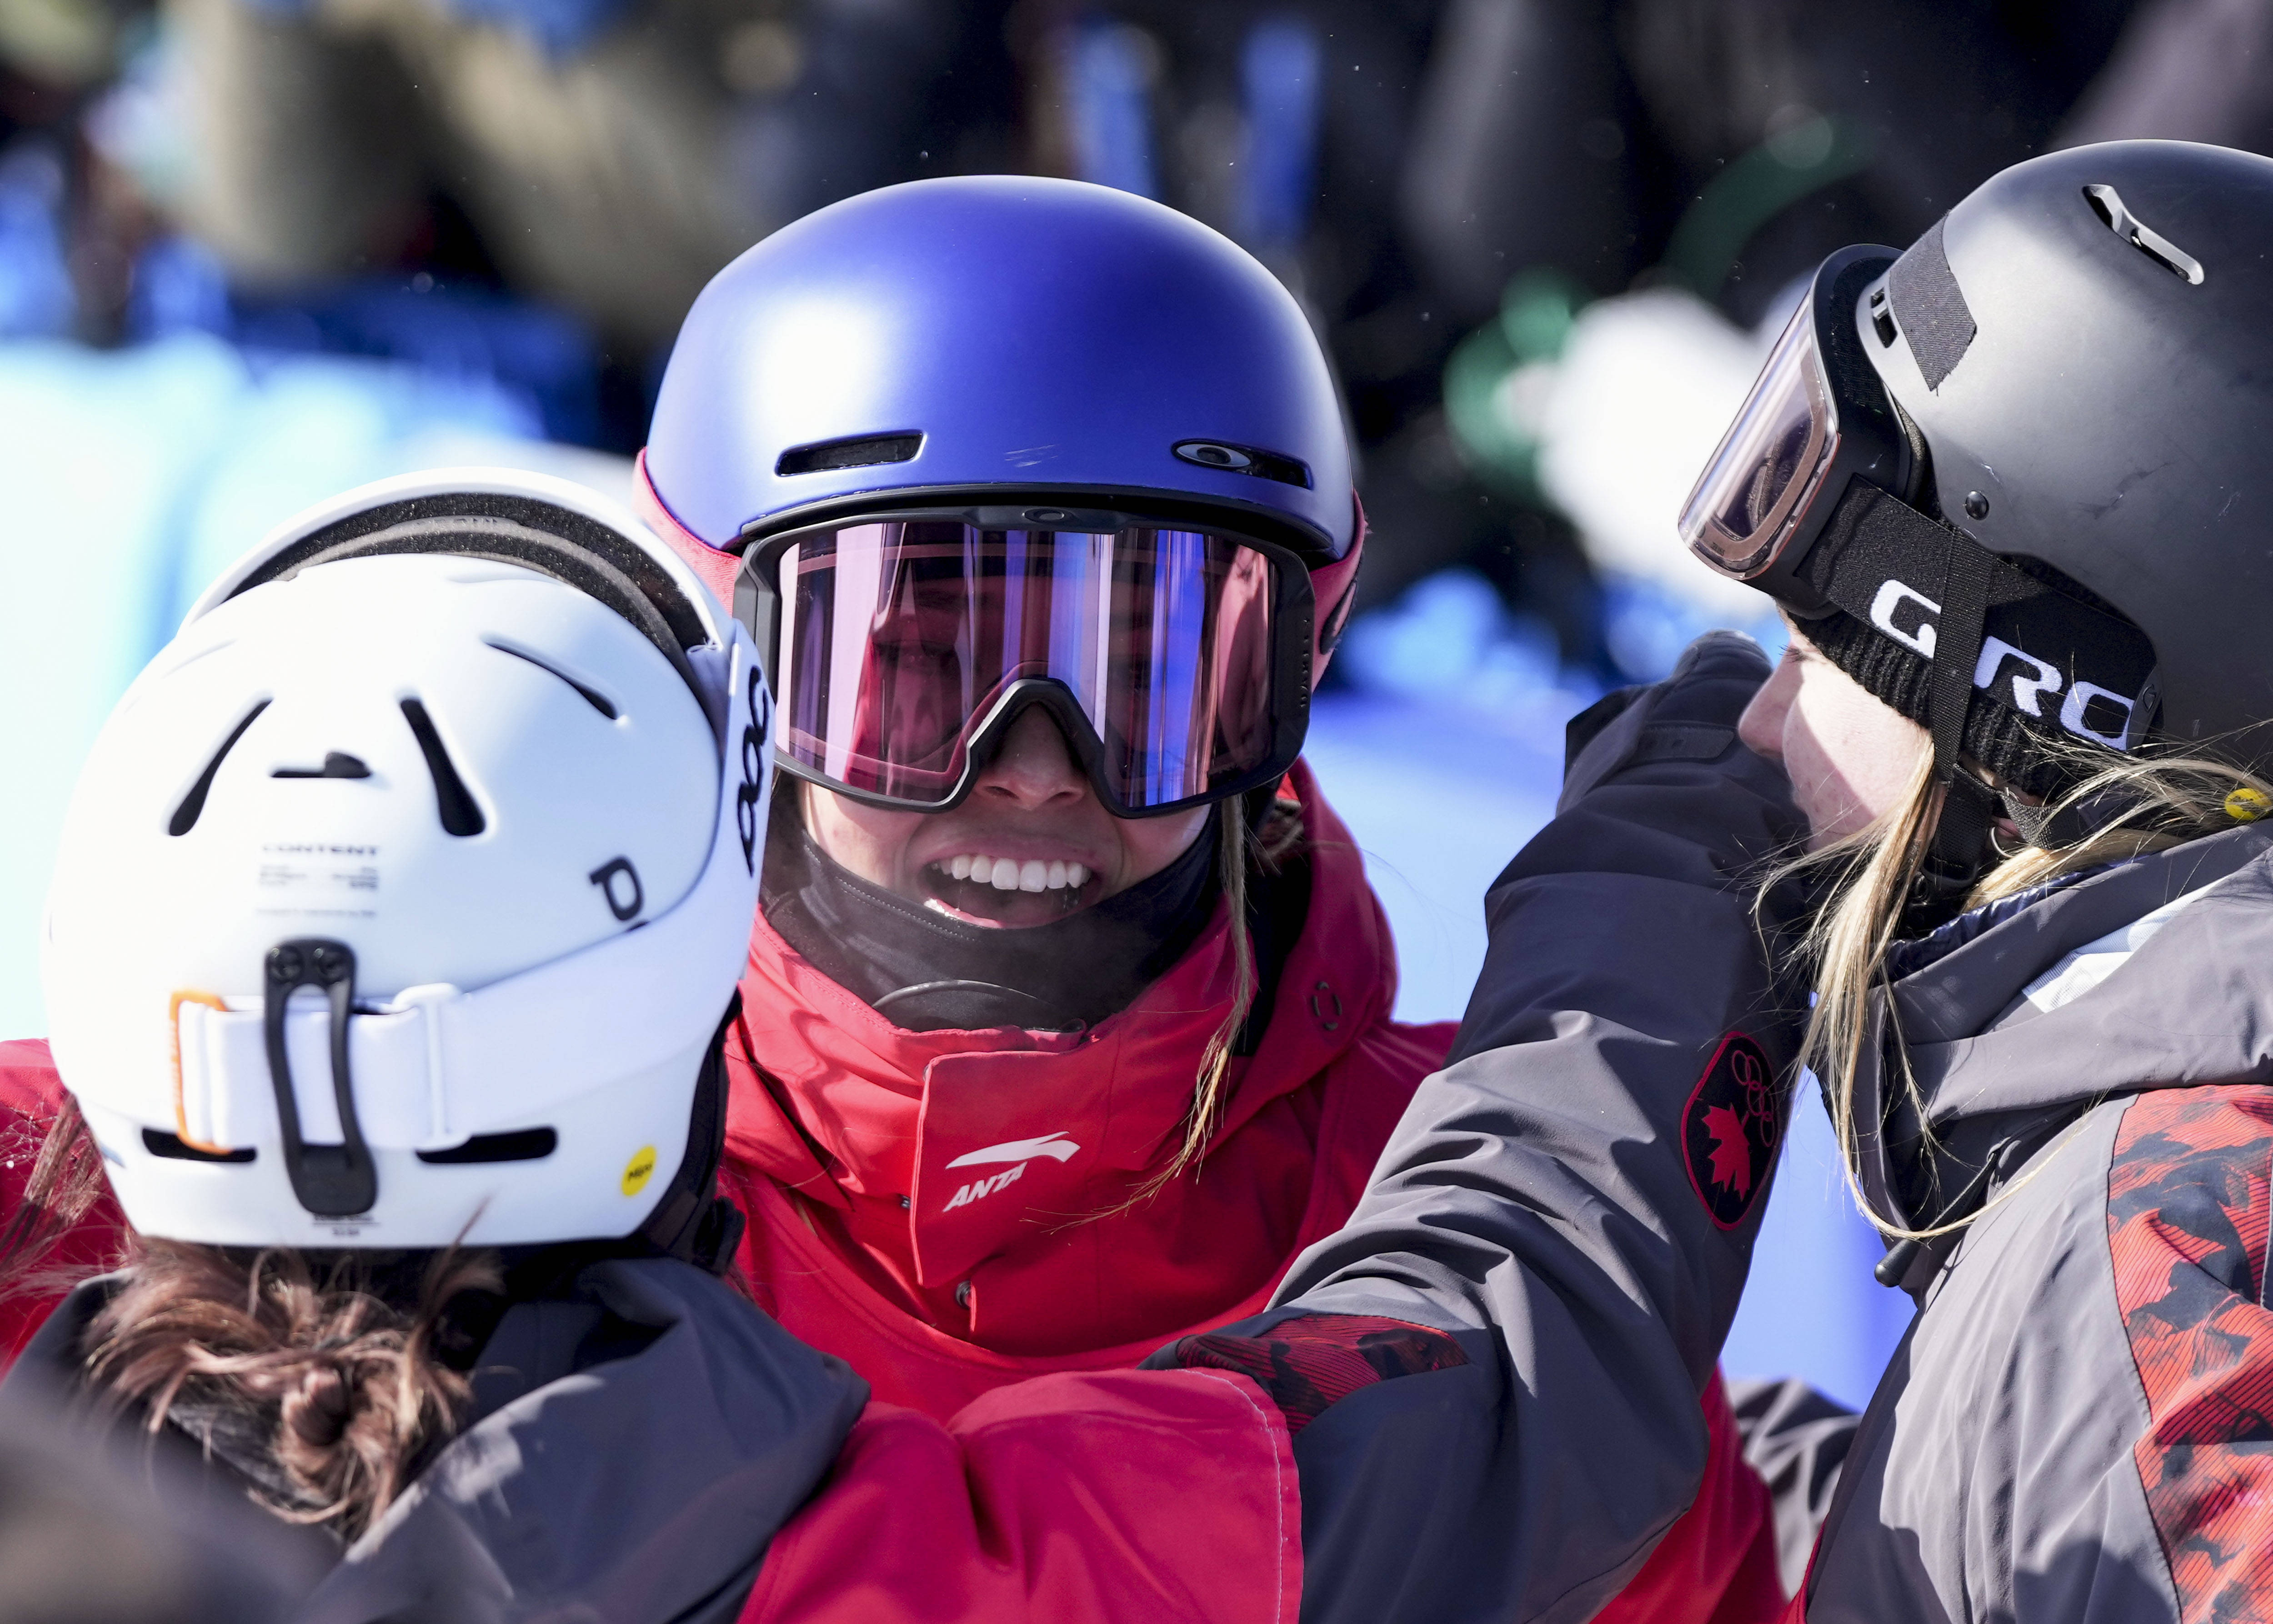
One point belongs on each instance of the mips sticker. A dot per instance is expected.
(639, 1169)
(1731, 1129)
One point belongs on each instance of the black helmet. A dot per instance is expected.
(2063, 527)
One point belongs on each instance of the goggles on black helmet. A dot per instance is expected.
(1173, 653)
(1811, 499)
(1817, 419)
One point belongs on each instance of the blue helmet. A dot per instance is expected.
(994, 333)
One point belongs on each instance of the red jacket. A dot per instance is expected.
(841, 1141)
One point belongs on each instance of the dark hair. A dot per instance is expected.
(329, 1364)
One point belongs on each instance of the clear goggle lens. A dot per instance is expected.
(1756, 490)
(897, 640)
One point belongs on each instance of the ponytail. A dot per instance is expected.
(310, 1356)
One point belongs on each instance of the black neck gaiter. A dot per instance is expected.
(925, 971)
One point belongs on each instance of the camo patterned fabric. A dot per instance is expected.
(1314, 1360)
(2188, 1204)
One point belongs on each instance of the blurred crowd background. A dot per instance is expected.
(252, 251)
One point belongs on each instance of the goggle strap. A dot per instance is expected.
(1931, 589)
(1941, 596)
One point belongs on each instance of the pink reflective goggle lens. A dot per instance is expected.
(1166, 654)
(1756, 490)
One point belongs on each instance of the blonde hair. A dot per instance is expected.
(1264, 849)
(2168, 800)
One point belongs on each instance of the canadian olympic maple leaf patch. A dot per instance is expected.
(1731, 1129)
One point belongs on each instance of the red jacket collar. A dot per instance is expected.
(996, 1137)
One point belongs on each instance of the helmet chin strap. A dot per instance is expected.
(1960, 847)
(692, 1222)
(1963, 842)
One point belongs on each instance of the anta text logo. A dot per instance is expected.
(984, 1188)
(2088, 710)
(1054, 1146)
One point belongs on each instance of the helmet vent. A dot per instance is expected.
(527, 1144)
(1881, 321)
(865, 451)
(592, 696)
(185, 816)
(337, 764)
(172, 1147)
(460, 815)
(1230, 459)
(2132, 229)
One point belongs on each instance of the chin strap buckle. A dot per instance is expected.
(1962, 847)
(331, 1181)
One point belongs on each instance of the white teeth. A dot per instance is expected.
(1010, 873)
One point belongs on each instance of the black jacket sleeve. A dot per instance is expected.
(1555, 1200)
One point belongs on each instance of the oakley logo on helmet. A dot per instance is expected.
(1901, 611)
(1242, 460)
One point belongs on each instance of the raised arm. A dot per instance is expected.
(1574, 1198)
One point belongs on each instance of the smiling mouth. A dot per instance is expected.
(984, 889)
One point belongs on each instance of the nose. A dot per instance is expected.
(1034, 768)
(1761, 726)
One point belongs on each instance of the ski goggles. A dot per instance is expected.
(1174, 658)
(1811, 499)
(1817, 419)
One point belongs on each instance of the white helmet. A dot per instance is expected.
(403, 896)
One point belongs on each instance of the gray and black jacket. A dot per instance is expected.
(2079, 1425)
(1574, 1198)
